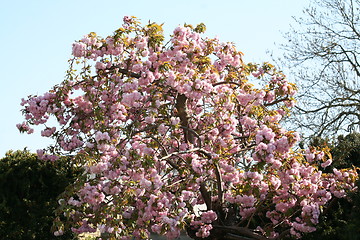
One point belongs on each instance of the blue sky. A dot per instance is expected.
(36, 38)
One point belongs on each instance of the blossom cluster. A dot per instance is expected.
(163, 127)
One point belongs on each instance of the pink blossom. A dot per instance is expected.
(302, 227)
(58, 233)
(145, 183)
(162, 129)
(276, 182)
(309, 156)
(48, 132)
(208, 216)
(247, 212)
(128, 19)
(24, 127)
(204, 231)
(79, 49)
(327, 163)
(246, 201)
(175, 120)
(99, 136)
(130, 99)
(84, 228)
(100, 65)
(282, 144)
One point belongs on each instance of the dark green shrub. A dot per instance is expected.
(346, 153)
(28, 195)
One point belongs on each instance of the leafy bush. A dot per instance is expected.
(28, 196)
(347, 151)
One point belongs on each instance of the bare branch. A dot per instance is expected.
(323, 53)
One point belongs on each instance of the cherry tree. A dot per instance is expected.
(180, 134)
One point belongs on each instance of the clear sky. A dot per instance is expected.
(36, 38)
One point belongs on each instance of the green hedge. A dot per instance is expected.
(28, 195)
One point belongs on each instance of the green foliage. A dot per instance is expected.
(200, 28)
(347, 151)
(341, 220)
(28, 196)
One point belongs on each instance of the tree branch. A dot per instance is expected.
(123, 71)
(219, 185)
(206, 196)
(181, 108)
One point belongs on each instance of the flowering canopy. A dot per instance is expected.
(162, 128)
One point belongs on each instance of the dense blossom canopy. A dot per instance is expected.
(172, 135)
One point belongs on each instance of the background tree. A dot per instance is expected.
(323, 53)
(163, 127)
(28, 196)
